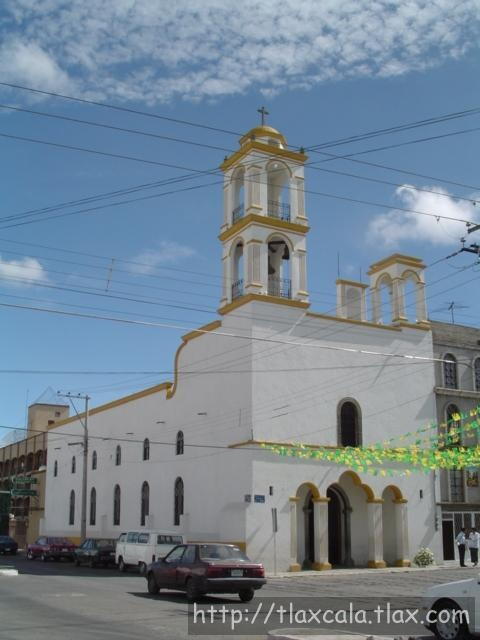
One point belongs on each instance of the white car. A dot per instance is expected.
(454, 609)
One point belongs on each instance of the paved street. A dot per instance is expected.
(57, 601)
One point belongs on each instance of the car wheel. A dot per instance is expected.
(77, 562)
(122, 567)
(44, 557)
(152, 585)
(30, 555)
(91, 563)
(450, 624)
(142, 567)
(192, 590)
(14, 552)
(246, 595)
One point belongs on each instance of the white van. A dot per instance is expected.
(140, 548)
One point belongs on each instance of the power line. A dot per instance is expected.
(118, 108)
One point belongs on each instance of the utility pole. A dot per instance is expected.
(84, 423)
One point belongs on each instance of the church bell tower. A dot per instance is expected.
(264, 225)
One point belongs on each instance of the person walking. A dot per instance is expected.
(461, 541)
(473, 545)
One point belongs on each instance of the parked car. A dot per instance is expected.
(8, 545)
(95, 552)
(204, 568)
(47, 547)
(140, 548)
(463, 597)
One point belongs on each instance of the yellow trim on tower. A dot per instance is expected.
(259, 297)
(262, 132)
(396, 258)
(185, 339)
(268, 149)
(263, 221)
(351, 282)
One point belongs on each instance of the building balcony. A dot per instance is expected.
(279, 210)
(280, 287)
(238, 213)
(237, 289)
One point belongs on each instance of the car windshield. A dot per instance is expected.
(58, 541)
(105, 543)
(5, 539)
(221, 552)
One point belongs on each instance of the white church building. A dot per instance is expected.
(187, 455)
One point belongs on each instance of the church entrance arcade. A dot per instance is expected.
(347, 526)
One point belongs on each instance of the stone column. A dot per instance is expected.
(376, 305)
(320, 528)
(421, 307)
(401, 528)
(375, 534)
(294, 566)
(398, 300)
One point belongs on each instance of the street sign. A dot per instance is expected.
(25, 480)
(23, 492)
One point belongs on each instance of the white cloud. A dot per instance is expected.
(22, 273)
(26, 62)
(154, 50)
(398, 226)
(167, 253)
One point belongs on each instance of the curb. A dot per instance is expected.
(8, 572)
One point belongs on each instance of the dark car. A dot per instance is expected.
(95, 552)
(8, 545)
(47, 548)
(204, 568)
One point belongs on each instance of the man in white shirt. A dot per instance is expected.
(473, 545)
(461, 541)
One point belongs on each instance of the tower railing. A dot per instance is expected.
(280, 210)
(237, 289)
(279, 287)
(238, 213)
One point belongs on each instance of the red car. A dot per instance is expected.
(204, 568)
(46, 548)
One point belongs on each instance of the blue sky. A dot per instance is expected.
(324, 70)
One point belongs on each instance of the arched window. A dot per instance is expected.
(55, 469)
(21, 464)
(74, 464)
(278, 191)
(279, 278)
(118, 455)
(450, 379)
(94, 460)
(178, 501)
(145, 503)
(237, 271)
(116, 505)
(38, 459)
(349, 425)
(238, 181)
(71, 510)
(180, 444)
(146, 449)
(476, 373)
(93, 506)
(456, 485)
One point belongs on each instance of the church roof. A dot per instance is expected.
(263, 131)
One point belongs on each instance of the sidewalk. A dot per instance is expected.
(452, 564)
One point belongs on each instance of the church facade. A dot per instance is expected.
(189, 455)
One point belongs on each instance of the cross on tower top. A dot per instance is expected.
(263, 113)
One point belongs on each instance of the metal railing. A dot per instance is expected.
(237, 289)
(238, 213)
(280, 210)
(280, 287)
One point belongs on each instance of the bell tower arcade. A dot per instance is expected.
(264, 225)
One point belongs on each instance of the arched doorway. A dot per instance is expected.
(339, 545)
(309, 529)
